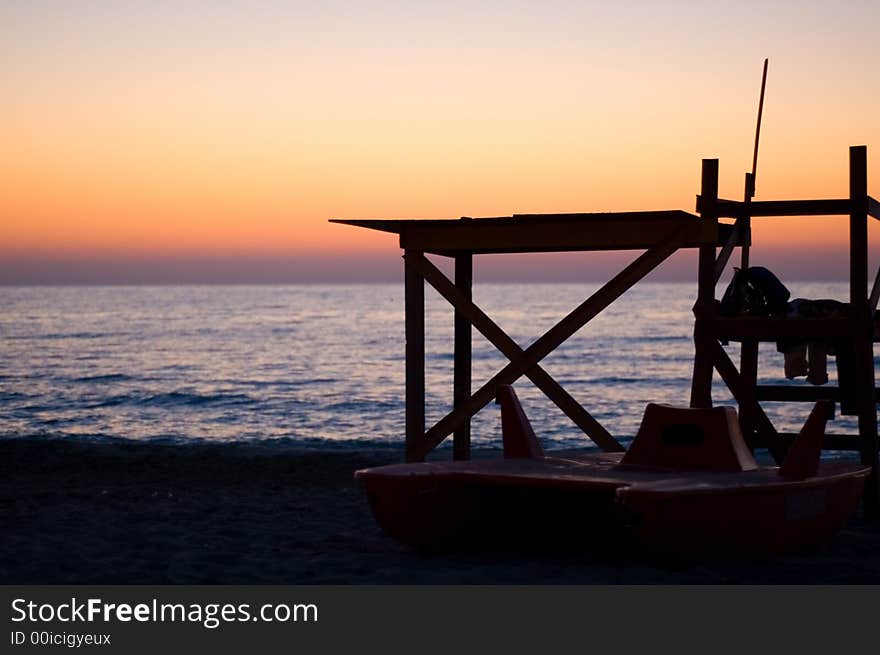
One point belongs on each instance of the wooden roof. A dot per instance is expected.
(546, 232)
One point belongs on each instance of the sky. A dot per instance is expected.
(211, 141)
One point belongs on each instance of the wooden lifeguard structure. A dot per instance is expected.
(853, 332)
(659, 234)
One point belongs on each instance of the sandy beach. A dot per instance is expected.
(74, 512)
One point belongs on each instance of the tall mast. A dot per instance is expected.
(744, 221)
(751, 185)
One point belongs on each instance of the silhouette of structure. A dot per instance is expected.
(852, 333)
(660, 234)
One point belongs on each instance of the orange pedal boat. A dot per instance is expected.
(687, 483)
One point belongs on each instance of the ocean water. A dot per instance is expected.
(323, 366)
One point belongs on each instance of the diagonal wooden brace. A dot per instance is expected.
(574, 321)
(875, 292)
(727, 370)
(727, 250)
(510, 349)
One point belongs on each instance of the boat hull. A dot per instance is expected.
(761, 515)
(593, 500)
(511, 503)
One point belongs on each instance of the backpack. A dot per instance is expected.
(754, 291)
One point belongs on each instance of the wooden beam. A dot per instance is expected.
(863, 324)
(779, 208)
(762, 328)
(706, 266)
(833, 207)
(786, 393)
(701, 383)
(873, 207)
(875, 292)
(414, 301)
(736, 384)
(510, 349)
(744, 222)
(748, 368)
(573, 322)
(461, 391)
(544, 233)
(858, 228)
(790, 393)
(727, 250)
(552, 235)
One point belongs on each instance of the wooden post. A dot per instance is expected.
(748, 359)
(745, 221)
(858, 226)
(414, 301)
(701, 385)
(863, 337)
(748, 368)
(464, 277)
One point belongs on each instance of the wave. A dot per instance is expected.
(176, 399)
(359, 404)
(282, 384)
(54, 336)
(6, 396)
(107, 377)
(623, 381)
(655, 339)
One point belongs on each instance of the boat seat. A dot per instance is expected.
(689, 439)
(680, 439)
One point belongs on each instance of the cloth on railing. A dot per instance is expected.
(809, 358)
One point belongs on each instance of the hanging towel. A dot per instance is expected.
(796, 361)
(817, 353)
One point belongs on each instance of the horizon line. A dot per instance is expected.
(354, 282)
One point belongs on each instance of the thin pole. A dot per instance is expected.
(745, 221)
(758, 128)
(748, 361)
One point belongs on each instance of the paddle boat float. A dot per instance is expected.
(688, 482)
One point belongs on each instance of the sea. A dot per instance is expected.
(322, 366)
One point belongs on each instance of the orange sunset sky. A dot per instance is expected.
(211, 141)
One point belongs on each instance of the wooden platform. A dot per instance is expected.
(768, 328)
(548, 232)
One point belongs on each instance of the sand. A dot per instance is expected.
(84, 513)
